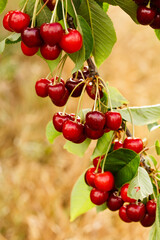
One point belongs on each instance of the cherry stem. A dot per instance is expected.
(42, 7)
(53, 18)
(80, 101)
(108, 93)
(64, 19)
(60, 67)
(130, 114)
(34, 13)
(24, 6)
(125, 129)
(95, 101)
(66, 9)
(75, 15)
(98, 164)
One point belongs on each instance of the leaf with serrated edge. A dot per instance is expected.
(51, 132)
(140, 186)
(80, 199)
(78, 149)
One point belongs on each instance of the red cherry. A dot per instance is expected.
(124, 190)
(51, 33)
(18, 21)
(147, 221)
(151, 208)
(72, 83)
(98, 197)
(79, 75)
(90, 176)
(50, 4)
(6, 21)
(104, 181)
(114, 201)
(31, 37)
(117, 145)
(93, 134)
(73, 117)
(96, 160)
(28, 51)
(123, 214)
(72, 131)
(142, 2)
(58, 120)
(136, 212)
(42, 87)
(72, 41)
(56, 91)
(145, 15)
(135, 144)
(81, 139)
(155, 4)
(156, 22)
(61, 102)
(91, 90)
(113, 120)
(95, 120)
(50, 52)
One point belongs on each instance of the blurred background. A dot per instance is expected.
(36, 178)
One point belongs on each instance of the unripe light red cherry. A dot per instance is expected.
(72, 84)
(104, 181)
(123, 214)
(156, 22)
(95, 120)
(31, 37)
(72, 131)
(147, 221)
(58, 120)
(42, 87)
(117, 145)
(151, 208)
(51, 33)
(97, 159)
(71, 42)
(135, 144)
(6, 21)
(28, 51)
(145, 15)
(114, 202)
(50, 52)
(124, 190)
(18, 21)
(93, 134)
(98, 197)
(113, 120)
(136, 212)
(90, 176)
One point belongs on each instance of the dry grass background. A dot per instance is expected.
(36, 178)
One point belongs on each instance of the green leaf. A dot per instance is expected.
(142, 115)
(77, 149)
(101, 208)
(123, 163)
(151, 159)
(51, 132)
(153, 233)
(157, 146)
(80, 199)
(103, 32)
(158, 217)
(3, 4)
(117, 98)
(102, 145)
(83, 112)
(105, 7)
(153, 126)
(157, 32)
(11, 39)
(140, 187)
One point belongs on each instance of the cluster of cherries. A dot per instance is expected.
(104, 191)
(50, 38)
(149, 15)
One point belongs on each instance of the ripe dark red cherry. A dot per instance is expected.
(28, 51)
(114, 201)
(31, 37)
(147, 221)
(50, 52)
(58, 120)
(6, 21)
(90, 176)
(93, 134)
(104, 181)
(85, 72)
(72, 83)
(117, 145)
(96, 160)
(81, 139)
(123, 214)
(72, 131)
(151, 208)
(124, 190)
(51, 33)
(113, 120)
(61, 102)
(136, 212)
(135, 144)
(42, 87)
(56, 91)
(18, 21)
(155, 3)
(145, 15)
(142, 2)
(98, 197)
(95, 120)
(50, 4)
(72, 41)
(156, 22)
(91, 90)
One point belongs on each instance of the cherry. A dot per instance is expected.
(6, 21)
(58, 120)
(91, 90)
(95, 120)
(136, 212)
(56, 91)
(117, 145)
(72, 83)
(93, 134)
(104, 181)
(73, 117)
(81, 139)
(141, 2)
(145, 15)
(72, 41)
(51, 33)
(31, 37)
(151, 208)
(61, 102)
(50, 4)
(113, 120)
(72, 131)
(85, 72)
(147, 221)
(135, 144)
(155, 3)
(96, 160)
(124, 190)
(98, 197)
(114, 201)
(90, 176)
(156, 22)
(29, 51)
(50, 52)
(18, 21)
(123, 214)
(42, 87)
